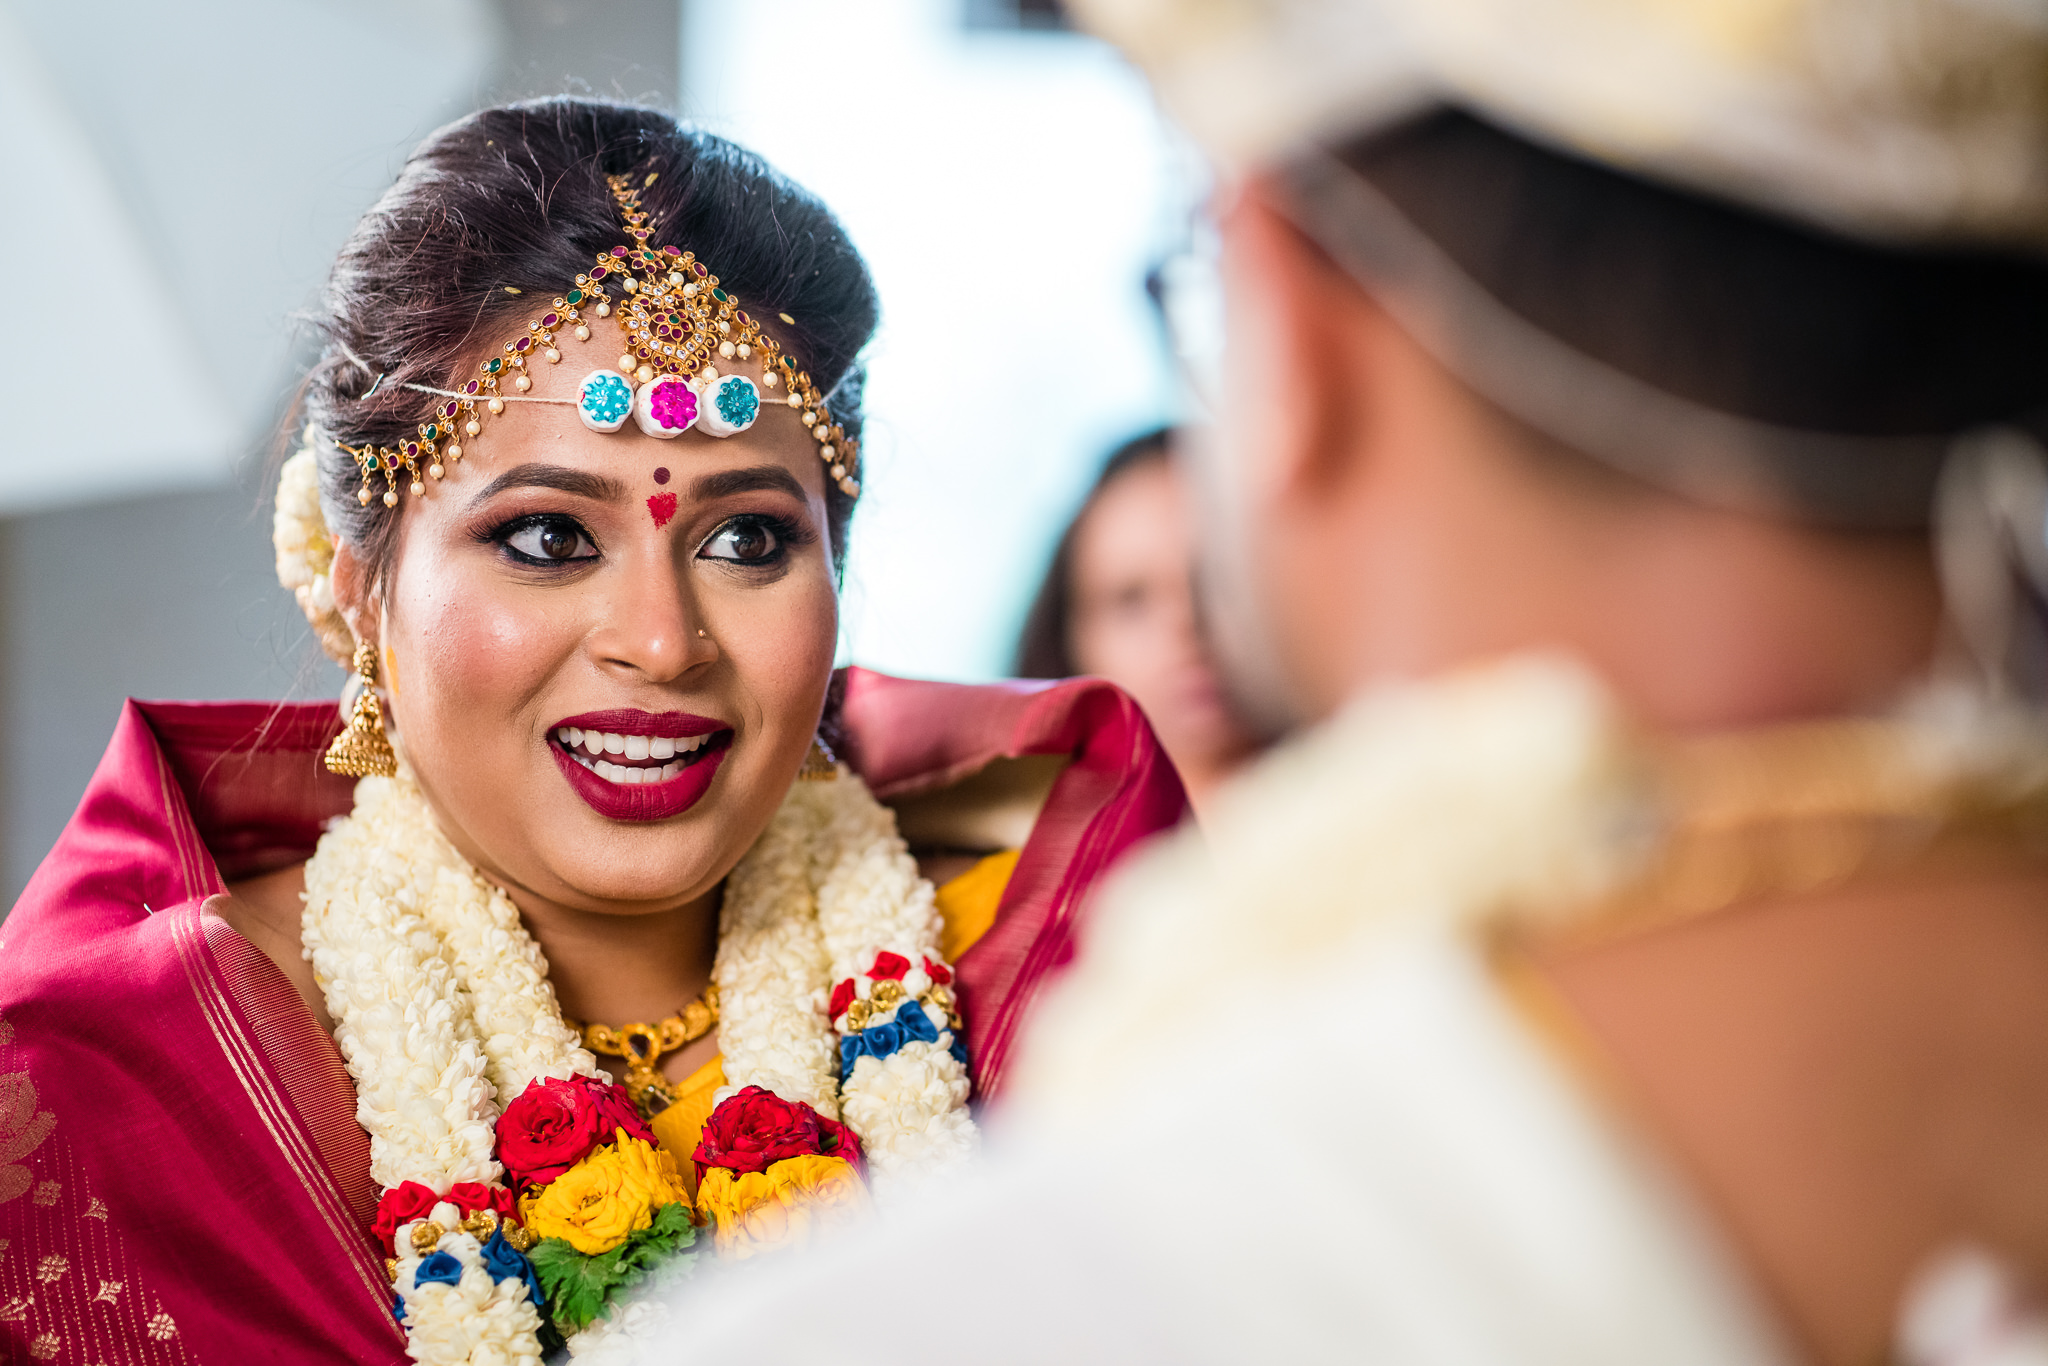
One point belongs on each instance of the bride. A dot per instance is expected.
(603, 937)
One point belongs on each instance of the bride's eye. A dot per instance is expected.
(747, 541)
(549, 540)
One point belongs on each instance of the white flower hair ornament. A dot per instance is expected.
(305, 549)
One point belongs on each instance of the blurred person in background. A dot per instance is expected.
(1118, 602)
(1630, 490)
(578, 955)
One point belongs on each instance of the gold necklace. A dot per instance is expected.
(642, 1046)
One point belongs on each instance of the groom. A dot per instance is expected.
(1627, 420)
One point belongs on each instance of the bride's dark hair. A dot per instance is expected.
(514, 198)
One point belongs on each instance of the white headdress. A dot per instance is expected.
(1903, 119)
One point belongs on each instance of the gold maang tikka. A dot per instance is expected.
(362, 750)
(679, 322)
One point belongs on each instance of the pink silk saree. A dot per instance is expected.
(181, 1175)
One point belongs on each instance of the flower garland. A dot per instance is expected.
(514, 1228)
(305, 550)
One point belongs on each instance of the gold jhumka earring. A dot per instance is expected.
(820, 765)
(362, 750)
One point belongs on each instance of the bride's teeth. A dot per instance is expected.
(593, 743)
(636, 747)
(670, 770)
(661, 747)
(614, 744)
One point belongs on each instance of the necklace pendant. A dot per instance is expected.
(642, 1047)
(653, 1095)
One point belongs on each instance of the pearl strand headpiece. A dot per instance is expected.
(679, 323)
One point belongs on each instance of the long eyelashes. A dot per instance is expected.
(546, 540)
(557, 541)
(754, 541)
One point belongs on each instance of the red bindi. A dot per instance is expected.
(663, 507)
(661, 475)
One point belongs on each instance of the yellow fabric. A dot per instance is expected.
(679, 1127)
(967, 904)
(967, 907)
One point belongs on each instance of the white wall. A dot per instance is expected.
(1009, 190)
(179, 177)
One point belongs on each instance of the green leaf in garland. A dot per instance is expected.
(578, 1287)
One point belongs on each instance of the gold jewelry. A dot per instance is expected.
(820, 764)
(362, 750)
(887, 993)
(642, 1046)
(680, 324)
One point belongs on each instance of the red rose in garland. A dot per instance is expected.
(615, 1111)
(841, 1141)
(471, 1196)
(554, 1124)
(403, 1203)
(755, 1128)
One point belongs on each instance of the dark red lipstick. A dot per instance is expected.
(675, 725)
(641, 801)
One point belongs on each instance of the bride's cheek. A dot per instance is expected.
(471, 646)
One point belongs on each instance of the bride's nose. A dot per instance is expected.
(652, 628)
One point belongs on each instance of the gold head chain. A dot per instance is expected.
(679, 323)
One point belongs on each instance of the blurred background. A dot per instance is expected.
(184, 174)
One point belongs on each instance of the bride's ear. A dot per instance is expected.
(349, 578)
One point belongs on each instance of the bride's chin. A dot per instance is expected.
(617, 889)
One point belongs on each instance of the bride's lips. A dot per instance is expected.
(651, 801)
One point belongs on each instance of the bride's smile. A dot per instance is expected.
(628, 748)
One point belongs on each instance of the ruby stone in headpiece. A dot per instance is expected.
(679, 323)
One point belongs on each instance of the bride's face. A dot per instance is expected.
(605, 654)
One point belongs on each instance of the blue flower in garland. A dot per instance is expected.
(398, 1307)
(506, 1262)
(912, 1024)
(440, 1269)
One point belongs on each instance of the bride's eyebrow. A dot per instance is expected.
(598, 487)
(750, 480)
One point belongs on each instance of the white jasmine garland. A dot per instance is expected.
(772, 972)
(305, 549)
(444, 1013)
(523, 1033)
(910, 1109)
(402, 1017)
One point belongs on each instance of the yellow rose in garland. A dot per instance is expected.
(783, 1206)
(606, 1198)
